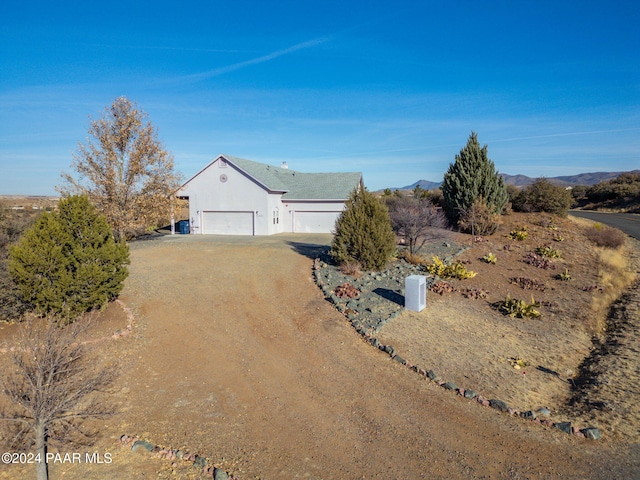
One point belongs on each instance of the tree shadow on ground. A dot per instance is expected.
(310, 250)
(390, 295)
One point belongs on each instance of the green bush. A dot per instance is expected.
(12, 225)
(543, 196)
(363, 232)
(68, 262)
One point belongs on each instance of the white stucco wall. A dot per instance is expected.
(214, 203)
(207, 192)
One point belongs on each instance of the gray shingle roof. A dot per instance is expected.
(299, 185)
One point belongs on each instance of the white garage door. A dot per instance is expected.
(314, 222)
(227, 223)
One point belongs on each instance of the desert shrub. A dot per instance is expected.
(435, 197)
(512, 192)
(363, 232)
(589, 288)
(412, 258)
(538, 261)
(518, 363)
(346, 290)
(490, 258)
(353, 269)
(547, 222)
(620, 192)
(547, 251)
(474, 293)
(518, 308)
(454, 270)
(564, 276)
(519, 234)
(543, 196)
(441, 287)
(528, 283)
(68, 262)
(479, 219)
(604, 236)
(472, 176)
(416, 219)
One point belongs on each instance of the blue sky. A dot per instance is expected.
(389, 89)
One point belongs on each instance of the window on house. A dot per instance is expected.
(276, 217)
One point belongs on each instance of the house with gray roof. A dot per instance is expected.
(234, 196)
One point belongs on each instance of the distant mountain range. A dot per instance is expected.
(523, 180)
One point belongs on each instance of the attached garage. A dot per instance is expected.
(314, 222)
(227, 223)
(235, 196)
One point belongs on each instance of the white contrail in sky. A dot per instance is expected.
(254, 61)
(568, 134)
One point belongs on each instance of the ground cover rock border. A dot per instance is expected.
(381, 299)
(200, 463)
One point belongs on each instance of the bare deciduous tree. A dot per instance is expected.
(53, 389)
(417, 220)
(478, 219)
(125, 171)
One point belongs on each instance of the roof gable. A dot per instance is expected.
(295, 185)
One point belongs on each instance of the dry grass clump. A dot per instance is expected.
(353, 269)
(412, 258)
(614, 277)
(604, 236)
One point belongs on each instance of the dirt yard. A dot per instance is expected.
(236, 356)
(469, 342)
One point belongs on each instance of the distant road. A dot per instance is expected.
(629, 223)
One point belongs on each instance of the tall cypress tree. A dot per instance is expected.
(471, 177)
(363, 232)
(68, 262)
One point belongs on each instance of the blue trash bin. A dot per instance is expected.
(183, 226)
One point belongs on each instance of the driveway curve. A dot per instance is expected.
(240, 359)
(629, 223)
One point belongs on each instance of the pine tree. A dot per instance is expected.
(68, 262)
(472, 176)
(363, 232)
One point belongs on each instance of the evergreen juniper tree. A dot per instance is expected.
(68, 262)
(363, 232)
(472, 176)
